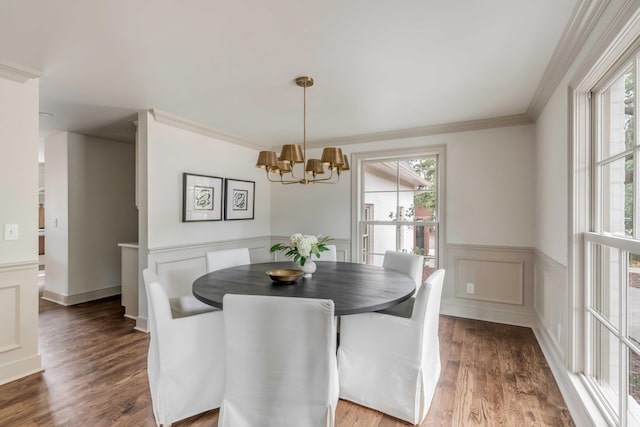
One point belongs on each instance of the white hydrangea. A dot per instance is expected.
(304, 246)
(303, 243)
(295, 238)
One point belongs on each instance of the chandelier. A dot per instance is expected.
(291, 155)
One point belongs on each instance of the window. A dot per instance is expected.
(399, 207)
(612, 247)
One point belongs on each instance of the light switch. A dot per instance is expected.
(11, 232)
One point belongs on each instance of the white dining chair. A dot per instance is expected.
(217, 260)
(280, 362)
(330, 255)
(185, 362)
(406, 263)
(181, 299)
(391, 363)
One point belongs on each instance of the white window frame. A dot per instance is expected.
(606, 58)
(357, 191)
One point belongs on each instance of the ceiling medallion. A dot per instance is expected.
(292, 155)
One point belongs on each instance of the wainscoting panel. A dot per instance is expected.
(10, 316)
(488, 278)
(502, 282)
(551, 299)
(18, 320)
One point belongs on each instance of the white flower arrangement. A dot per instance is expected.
(302, 246)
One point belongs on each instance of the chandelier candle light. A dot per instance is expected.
(292, 155)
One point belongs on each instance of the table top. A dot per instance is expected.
(354, 288)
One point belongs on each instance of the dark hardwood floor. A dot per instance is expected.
(95, 375)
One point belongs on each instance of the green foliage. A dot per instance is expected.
(292, 251)
(426, 169)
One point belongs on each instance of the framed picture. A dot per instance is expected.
(239, 199)
(201, 198)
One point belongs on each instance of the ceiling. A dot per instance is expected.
(378, 65)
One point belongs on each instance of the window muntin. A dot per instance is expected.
(399, 209)
(617, 196)
(612, 249)
(617, 117)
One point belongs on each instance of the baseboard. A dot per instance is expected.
(478, 312)
(20, 369)
(141, 324)
(583, 409)
(74, 299)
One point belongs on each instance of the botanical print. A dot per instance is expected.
(202, 198)
(240, 200)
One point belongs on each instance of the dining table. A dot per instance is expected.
(353, 288)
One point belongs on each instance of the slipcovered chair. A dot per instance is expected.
(217, 260)
(280, 362)
(185, 363)
(330, 255)
(403, 262)
(181, 305)
(391, 363)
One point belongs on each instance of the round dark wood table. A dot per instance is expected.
(354, 288)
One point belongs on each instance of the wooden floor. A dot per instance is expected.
(95, 375)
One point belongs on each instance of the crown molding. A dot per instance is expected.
(584, 18)
(465, 126)
(619, 35)
(17, 73)
(179, 122)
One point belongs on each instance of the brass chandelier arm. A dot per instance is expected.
(304, 180)
(325, 181)
(281, 180)
(292, 155)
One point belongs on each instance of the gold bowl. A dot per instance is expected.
(284, 275)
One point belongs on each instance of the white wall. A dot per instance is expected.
(175, 250)
(489, 199)
(491, 187)
(57, 214)
(102, 211)
(489, 217)
(91, 197)
(19, 258)
(172, 151)
(551, 177)
(311, 209)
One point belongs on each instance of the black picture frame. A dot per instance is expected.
(239, 199)
(201, 198)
